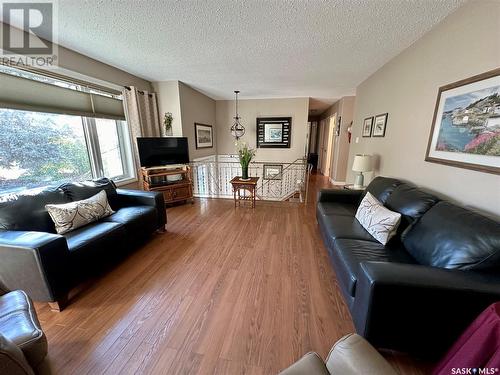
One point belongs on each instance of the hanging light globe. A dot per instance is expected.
(237, 130)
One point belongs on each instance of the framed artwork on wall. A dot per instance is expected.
(379, 125)
(274, 132)
(367, 127)
(272, 171)
(203, 135)
(465, 130)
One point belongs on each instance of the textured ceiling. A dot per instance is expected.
(317, 48)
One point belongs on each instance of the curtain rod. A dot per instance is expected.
(139, 91)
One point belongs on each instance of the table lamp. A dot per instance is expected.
(362, 163)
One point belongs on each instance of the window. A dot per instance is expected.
(40, 149)
(71, 138)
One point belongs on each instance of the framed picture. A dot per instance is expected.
(465, 130)
(273, 171)
(379, 125)
(274, 132)
(203, 135)
(367, 127)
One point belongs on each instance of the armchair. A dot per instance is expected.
(23, 345)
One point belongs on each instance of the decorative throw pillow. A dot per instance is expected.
(379, 221)
(69, 216)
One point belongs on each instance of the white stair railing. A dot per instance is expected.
(211, 178)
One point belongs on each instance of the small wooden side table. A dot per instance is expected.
(250, 186)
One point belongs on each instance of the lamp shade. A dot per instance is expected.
(362, 163)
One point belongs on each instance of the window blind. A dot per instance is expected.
(30, 95)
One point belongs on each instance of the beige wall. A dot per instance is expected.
(249, 110)
(169, 101)
(196, 107)
(463, 45)
(76, 62)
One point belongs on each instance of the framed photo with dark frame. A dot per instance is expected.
(274, 132)
(367, 127)
(379, 125)
(465, 130)
(272, 171)
(204, 136)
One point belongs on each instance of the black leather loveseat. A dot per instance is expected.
(421, 290)
(47, 265)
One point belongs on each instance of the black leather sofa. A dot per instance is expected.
(421, 290)
(47, 265)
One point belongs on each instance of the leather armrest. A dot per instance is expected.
(35, 262)
(352, 354)
(155, 199)
(339, 195)
(12, 360)
(416, 308)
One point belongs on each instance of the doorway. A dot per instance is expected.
(327, 132)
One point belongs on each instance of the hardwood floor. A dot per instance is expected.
(224, 291)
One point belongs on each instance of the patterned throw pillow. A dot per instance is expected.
(379, 221)
(69, 216)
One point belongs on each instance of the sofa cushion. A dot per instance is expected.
(347, 255)
(26, 211)
(411, 203)
(72, 215)
(95, 244)
(19, 324)
(335, 227)
(382, 187)
(449, 236)
(137, 219)
(77, 191)
(336, 208)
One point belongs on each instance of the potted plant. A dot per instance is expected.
(245, 155)
(167, 122)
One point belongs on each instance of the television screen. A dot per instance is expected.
(155, 152)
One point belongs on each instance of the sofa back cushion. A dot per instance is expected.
(382, 187)
(26, 211)
(411, 203)
(77, 191)
(452, 237)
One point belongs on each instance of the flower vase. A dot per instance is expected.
(244, 172)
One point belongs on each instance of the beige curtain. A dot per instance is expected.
(141, 112)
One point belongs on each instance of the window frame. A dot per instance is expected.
(95, 155)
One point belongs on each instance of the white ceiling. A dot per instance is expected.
(321, 49)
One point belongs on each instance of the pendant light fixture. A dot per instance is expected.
(237, 130)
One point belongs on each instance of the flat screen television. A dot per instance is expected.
(155, 152)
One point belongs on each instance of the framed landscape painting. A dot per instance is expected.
(367, 127)
(203, 135)
(465, 129)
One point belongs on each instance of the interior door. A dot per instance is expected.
(328, 142)
(331, 145)
(321, 146)
(325, 166)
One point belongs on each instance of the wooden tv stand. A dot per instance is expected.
(156, 179)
